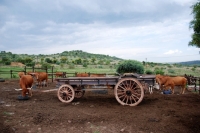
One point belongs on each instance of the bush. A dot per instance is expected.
(85, 65)
(100, 66)
(45, 65)
(159, 71)
(171, 71)
(7, 63)
(130, 66)
(148, 72)
(71, 66)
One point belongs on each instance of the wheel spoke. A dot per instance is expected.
(133, 98)
(132, 85)
(122, 87)
(121, 96)
(127, 99)
(124, 97)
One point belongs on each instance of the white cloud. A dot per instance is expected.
(173, 52)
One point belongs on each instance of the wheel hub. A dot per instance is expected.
(128, 93)
(64, 94)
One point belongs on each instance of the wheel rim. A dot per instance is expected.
(65, 93)
(129, 91)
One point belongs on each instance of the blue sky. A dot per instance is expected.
(153, 31)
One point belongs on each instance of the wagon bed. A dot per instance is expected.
(128, 88)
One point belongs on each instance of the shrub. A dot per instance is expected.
(148, 72)
(7, 63)
(14, 76)
(46, 65)
(171, 71)
(130, 66)
(85, 65)
(71, 66)
(159, 71)
(100, 66)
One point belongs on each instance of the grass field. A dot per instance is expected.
(5, 71)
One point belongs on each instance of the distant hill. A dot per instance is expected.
(190, 63)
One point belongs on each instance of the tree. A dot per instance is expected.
(131, 66)
(195, 25)
(63, 59)
(93, 60)
(48, 60)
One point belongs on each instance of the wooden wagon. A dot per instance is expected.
(128, 88)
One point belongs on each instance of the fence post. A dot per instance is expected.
(25, 70)
(46, 69)
(33, 69)
(52, 73)
(199, 85)
(195, 85)
(11, 74)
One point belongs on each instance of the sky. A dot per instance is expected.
(152, 31)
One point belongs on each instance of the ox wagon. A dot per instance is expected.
(128, 88)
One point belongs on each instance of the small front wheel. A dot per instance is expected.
(66, 93)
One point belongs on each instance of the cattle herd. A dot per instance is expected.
(27, 80)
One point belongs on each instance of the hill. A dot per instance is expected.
(190, 63)
(77, 57)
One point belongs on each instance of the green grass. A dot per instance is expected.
(5, 70)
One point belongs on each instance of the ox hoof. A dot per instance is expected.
(22, 97)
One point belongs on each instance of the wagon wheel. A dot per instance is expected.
(66, 93)
(78, 91)
(129, 91)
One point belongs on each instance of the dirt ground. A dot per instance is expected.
(96, 113)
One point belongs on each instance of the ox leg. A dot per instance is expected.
(183, 89)
(172, 89)
(47, 83)
(181, 92)
(150, 89)
(24, 90)
(40, 84)
(30, 92)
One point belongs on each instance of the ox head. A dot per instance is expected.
(35, 75)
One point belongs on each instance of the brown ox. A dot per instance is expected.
(176, 81)
(59, 74)
(20, 74)
(40, 77)
(82, 75)
(161, 80)
(26, 81)
(97, 75)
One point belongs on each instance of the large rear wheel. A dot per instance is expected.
(129, 91)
